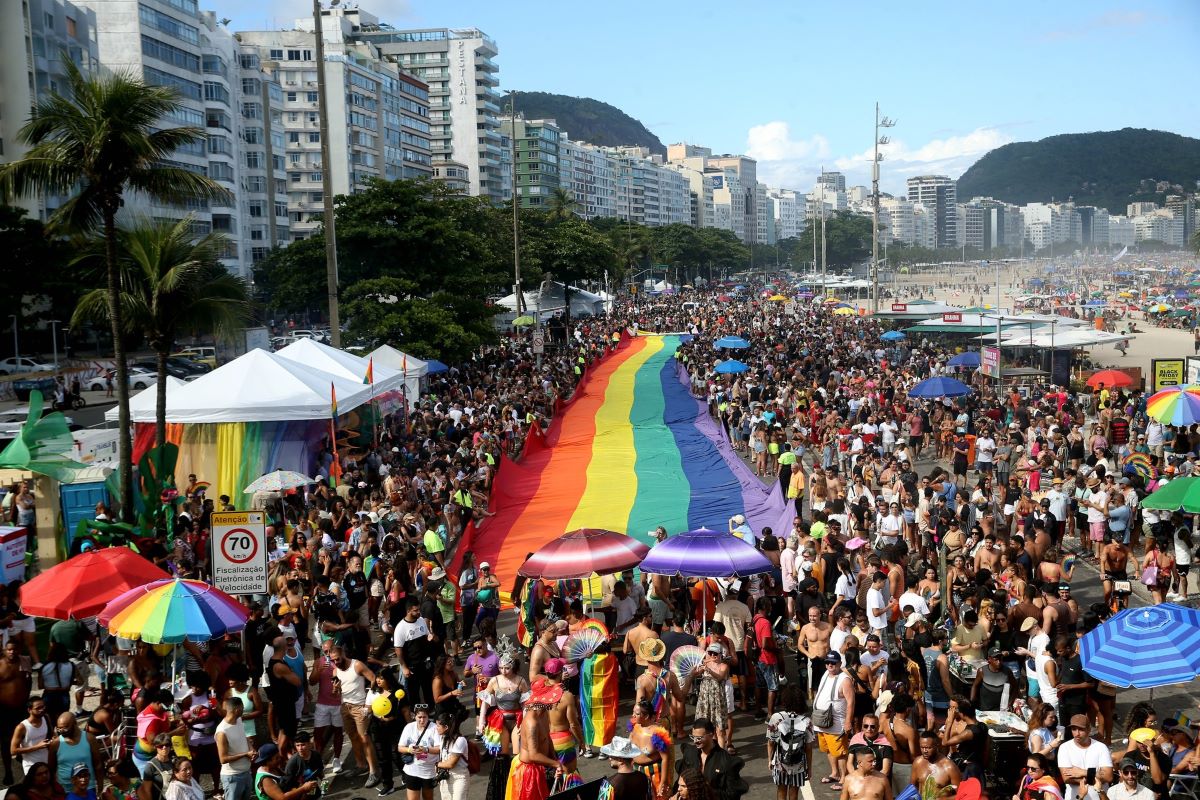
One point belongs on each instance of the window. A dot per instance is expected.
(293, 55)
(315, 177)
(314, 137)
(255, 183)
(168, 25)
(254, 159)
(219, 144)
(276, 55)
(248, 60)
(293, 137)
(293, 116)
(252, 110)
(220, 171)
(291, 96)
(317, 197)
(214, 65)
(280, 209)
(277, 163)
(251, 86)
(170, 54)
(253, 135)
(312, 97)
(189, 6)
(186, 88)
(71, 28)
(258, 233)
(257, 208)
(217, 119)
(295, 158)
(216, 93)
(185, 116)
(306, 55)
(312, 118)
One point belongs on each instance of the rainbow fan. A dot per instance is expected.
(685, 659)
(582, 644)
(1141, 464)
(597, 625)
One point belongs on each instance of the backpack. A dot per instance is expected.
(791, 744)
(472, 758)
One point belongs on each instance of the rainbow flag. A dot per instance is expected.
(335, 468)
(631, 450)
(370, 376)
(526, 626)
(598, 699)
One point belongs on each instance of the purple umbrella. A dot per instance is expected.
(705, 553)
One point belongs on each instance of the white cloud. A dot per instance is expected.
(782, 160)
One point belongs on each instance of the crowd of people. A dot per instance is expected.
(856, 644)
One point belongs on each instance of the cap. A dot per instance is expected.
(995, 652)
(438, 574)
(913, 619)
(485, 565)
(1182, 730)
(833, 658)
(1129, 762)
(1027, 624)
(265, 753)
(652, 650)
(1124, 481)
(553, 666)
(1080, 721)
(1063, 586)
(715, 648)
(80, 769)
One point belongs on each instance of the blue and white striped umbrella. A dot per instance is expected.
(1145, 647)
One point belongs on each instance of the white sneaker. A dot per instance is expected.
(335, 766)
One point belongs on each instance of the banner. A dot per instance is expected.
(1166, 372)
(989, 361)
(12, 554)
(1193, 369)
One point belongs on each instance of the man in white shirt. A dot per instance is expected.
(912, 601)
(1128, 788)
(1096, 503)
(1079, 755)
(985, 448)
(877, 606)
(1038, 642)
(887, 434)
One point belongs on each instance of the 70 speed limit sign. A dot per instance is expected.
(239, 552)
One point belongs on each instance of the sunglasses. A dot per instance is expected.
(1129, 771)
(421, 707)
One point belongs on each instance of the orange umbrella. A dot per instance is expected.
(1112, 378)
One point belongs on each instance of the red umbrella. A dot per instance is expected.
(81, 586)
(724, 298)
(583, 553)
(1112, 378)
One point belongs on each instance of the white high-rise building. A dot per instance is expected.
(1121, 231)
(648, 192)
(939, 195)
(729, 202)
(1051, 223)
(764, 215)
(789, 207)
(588, 173)
(700, 190)
(378, 114)
(896, 215)
(464, 106)
(31, 68)
(738, 214)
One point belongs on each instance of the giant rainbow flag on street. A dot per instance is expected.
(631, 450)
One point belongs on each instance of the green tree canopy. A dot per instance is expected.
(847, 239)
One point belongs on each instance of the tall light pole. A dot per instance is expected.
(16, 343)
(512, 145)
(880, 122)
(54, 341)
(331, 266)
(824, 262)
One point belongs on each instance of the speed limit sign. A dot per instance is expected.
(239, 552)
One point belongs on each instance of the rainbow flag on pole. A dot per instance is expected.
(335, 469)
(598, 699)
(369, 378)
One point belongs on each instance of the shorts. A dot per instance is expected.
(360, 616)
(832, 743)
(768, 676)
(984, 467)
(26, 625)
(913, 441)
(376, 588)
(417, 784)
(1183, 569)
(939, 705)
(1096, 531)
(356, 716)
(1035, 688)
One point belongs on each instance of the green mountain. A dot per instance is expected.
(588, 120)
(1108, 169)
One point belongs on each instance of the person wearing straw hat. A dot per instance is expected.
(658, 685)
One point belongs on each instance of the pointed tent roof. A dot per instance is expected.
(260, 387)
(389, 356)
(312, 353)
(146, 399)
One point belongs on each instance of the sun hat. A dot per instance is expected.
(652, 650)
(620, 747)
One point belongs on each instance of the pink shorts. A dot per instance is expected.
(1096, 531)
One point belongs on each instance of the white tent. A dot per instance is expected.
(312, 353)
(412, 368)
(146, 400)
(260, 387)
(552, 298)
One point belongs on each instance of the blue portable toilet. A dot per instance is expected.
(78, 499)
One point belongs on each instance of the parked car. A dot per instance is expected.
(201, 353)
(21, 364)
(185, 369)
(139, 378)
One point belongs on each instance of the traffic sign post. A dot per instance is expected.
(539, 341)
(239, 552)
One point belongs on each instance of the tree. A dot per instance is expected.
(103, 137)
(562, 204)
(441, 326)
(1196, 242)
(847, 239)
(292, 278)
(569, 251)
(170, 284)
(34, 269)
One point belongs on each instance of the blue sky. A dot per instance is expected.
(793, 84)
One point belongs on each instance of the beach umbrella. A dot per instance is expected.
(939, 387)
(82, 585)
(723, 298)
(705, 553)
(1124, 294)
(731, 367)
(731, 343)
(1175, 405)
(893, 336)
(970, 359)
(1180, 493)
(843, 311)
(777, 298)
(830, 300)
(1111, 378)
(1145, 647)
(172, 611)
(435, 366)
(1158, 308)
(278, 481)
(523, 320)
(583, 553)
(1140, 464)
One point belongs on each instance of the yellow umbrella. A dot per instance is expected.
(845, 311)
(829, 300)
(778, 298)
(1125, 294)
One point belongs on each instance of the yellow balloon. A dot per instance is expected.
(381, 706)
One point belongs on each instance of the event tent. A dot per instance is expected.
(145, 401)
(552, 298)
(260, 387)
(412, 367)
(311, 353)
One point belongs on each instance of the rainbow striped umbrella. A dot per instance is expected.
(1175, 405)
(172, 611)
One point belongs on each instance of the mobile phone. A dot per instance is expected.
(1091, 775)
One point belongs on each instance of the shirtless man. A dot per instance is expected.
(659, 600)
(16, 682)
(1114, 566)
(545, 648)
(533, 758)
(814, 643)
(896, 723)
(988, 556)
(639, 633)
(1049, 570)
(566, 729)
(659, 687)
(865, 782)
(932, 763)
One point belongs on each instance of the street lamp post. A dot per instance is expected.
(331, 265)
(880, 122)
(54, 341)
(516, 227)
(16, 343)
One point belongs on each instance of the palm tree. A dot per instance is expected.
(169, 283)
(562, 204)
(104, 137)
